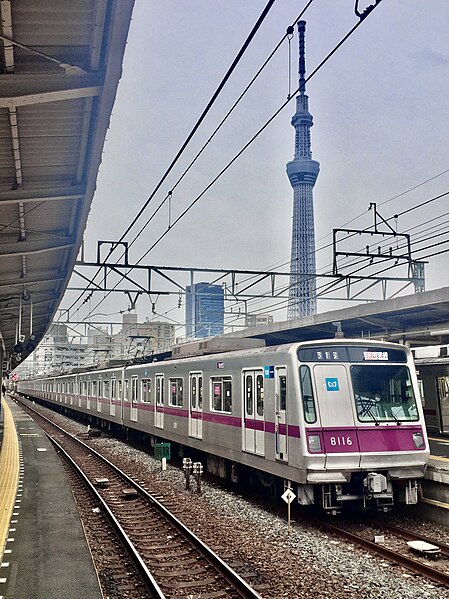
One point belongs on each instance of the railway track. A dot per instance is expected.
(392, 545)
(172, 562)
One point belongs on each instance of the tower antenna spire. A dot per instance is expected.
(302, 172)
(302, 57)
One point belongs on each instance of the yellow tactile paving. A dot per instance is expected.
(9, 473)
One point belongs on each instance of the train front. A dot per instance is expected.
(364, 426)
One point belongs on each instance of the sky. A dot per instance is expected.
(381, 115)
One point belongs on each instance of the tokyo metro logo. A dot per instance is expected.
(332, 385)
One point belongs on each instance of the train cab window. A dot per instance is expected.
(308, 400)
(383, 393)
(221, 394)
(146, 390)
(176, 390)
(259, 390)
(249, 400)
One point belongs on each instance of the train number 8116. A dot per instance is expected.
(341, 441)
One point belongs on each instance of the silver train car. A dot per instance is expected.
(339, 420)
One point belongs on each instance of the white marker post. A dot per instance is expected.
(288, 497)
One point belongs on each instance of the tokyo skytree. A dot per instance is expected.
(302, 172)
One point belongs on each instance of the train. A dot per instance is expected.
(337, 421)
(432, 365)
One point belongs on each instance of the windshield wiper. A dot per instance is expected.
(398, 422)
(366, 409)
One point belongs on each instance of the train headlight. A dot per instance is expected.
(314, 442)
(418, 440)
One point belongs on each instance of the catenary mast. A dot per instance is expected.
(302, 172)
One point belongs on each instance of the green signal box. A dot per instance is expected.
(162, 450)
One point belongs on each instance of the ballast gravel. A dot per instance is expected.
(304, 563)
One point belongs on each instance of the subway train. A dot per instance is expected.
(338, 421)
(432, 364)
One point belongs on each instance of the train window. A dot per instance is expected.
(126, 391)
(308, 400)
(221, 394)
(146, 390)
(106, 386)
(259, 388)
(383, 393)
(100, 388)
(119, 388)
(113, 388)
(94, 388)
(80, 388)
(249, 395)
(193, 392)
(160, 390)
(282, 392)
(85, 388)
(134, 389)
(200, 392)
(176, 386)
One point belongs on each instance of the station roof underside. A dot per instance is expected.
(60, 64)
(418, 320)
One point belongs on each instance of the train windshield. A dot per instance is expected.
(383, 393)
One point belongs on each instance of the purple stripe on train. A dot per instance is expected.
(367, 439)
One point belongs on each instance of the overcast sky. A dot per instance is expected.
(381, 115)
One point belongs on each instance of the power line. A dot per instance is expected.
(231, 162)
(195, 127)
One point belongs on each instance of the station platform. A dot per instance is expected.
(42, 543)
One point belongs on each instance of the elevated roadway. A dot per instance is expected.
(60, 64)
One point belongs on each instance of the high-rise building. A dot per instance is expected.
(302, 172)
(204, 310)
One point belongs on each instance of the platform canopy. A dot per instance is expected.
(60, 64)
(416, 320)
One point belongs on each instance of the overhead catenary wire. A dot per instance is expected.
(209, 105)
(241, 151)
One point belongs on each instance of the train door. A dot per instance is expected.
(134, 397)
(280, 382)
(253, 412)
(336, 408)
(159, 407)
(196, 405)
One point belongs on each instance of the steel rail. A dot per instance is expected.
(237, 582)
(397, 558)
(148, 579)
